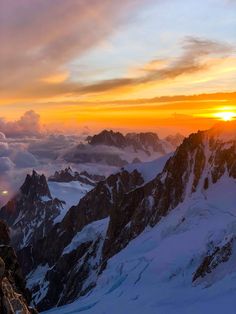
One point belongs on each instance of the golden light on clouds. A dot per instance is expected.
(56, 78)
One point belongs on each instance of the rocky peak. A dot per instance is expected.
(109, 138)
(200, 161)
(68, 175)
(65, 175)
(31, 212)
(145, 141)
(35, 186)
(95, 206)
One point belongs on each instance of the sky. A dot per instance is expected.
(156, 65)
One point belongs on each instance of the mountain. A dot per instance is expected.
(169, 245)
(14, 297)
(153, 237)
(63, 265)
(138, 141)
(38, 206)
(31, 212)
(68, 175)
(115, 149)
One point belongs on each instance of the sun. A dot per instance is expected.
(226, 115)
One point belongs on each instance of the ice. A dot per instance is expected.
(154, 273)
(151, 169)
(70, 192)
(88, 233)
(37, 278)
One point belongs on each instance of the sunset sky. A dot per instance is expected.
(127, 64)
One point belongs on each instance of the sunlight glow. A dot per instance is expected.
(226, 115)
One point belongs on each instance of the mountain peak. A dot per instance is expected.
(109, 138)
(35, 186)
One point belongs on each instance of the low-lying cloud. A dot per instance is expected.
(27, 125)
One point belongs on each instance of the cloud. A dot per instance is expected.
(52, 146)
(39, 38)
(2, 136)
(4, 149)
(193, 59)
(6, 164)
(27, 125)
(24, 159)
(197, 55)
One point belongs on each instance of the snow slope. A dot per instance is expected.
(154, 273)
(70, 193)
(149, 170)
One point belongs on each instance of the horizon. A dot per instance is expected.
(163, 126)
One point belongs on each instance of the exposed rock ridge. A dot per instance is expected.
(31, 212)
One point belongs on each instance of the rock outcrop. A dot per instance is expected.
(65, 269)
(147, 142)
(14, 297)
(68, 175)
(31, 212)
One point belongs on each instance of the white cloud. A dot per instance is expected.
(27, 125)
(2, 136)
(24, 159)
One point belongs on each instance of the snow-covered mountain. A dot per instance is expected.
(157, 237)
(115, 149)
(31, 212)
(169, 244)
(38, 206)
(61, 264)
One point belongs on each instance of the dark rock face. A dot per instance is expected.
(200, 161)
(35, 186)
(147, 204)
(139, 141)
(65, 269)
(108, 138)
(31, 212)
(67, 175)
(145, 141)
(67, 280)
(4, 234)
(63, 176)
(93, 177)
(108, 148)
(14, 297)
(213, 260)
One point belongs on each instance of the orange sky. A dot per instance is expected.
(106, 64)
(162, 114)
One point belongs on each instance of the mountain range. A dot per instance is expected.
(116, 149)
(153, 237)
